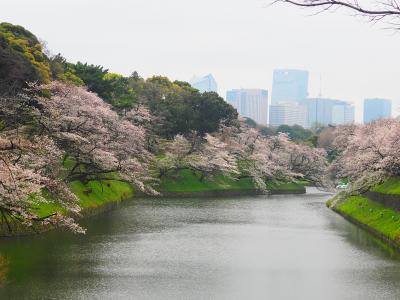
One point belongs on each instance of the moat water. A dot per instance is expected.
(264, 247)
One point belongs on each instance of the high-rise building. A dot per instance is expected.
(287, 114)
(343, 113)
(204, 84)
(324, 111)
(289, 86)
(376, 108)
(250, 103)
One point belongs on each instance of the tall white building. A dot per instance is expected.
(250, 103)
(204, 84)
(287, 114)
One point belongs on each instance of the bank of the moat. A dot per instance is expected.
(96, 197)
(377, 211)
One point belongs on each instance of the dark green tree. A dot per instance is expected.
(93, 78)
(250, 122)
(181, 109)
(64, 71)
(119, 92)
(295, 132)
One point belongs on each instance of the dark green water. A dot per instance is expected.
(280, 247)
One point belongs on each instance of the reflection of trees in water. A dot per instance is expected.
(373, 244)
(362, 239)
(3, 270)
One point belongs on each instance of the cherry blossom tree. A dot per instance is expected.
(307, 162)
(98, 144)
(272, 158)
(208, 158)
(29, 167)
(368, 151)
(45, 143)
(140, 115)
(263, 158)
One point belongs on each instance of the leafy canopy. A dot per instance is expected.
(21, 58)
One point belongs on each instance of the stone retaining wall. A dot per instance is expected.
(390, 201)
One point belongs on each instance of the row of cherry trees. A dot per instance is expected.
(244, 152)
(48, 142)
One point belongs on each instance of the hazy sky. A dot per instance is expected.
(239, 41)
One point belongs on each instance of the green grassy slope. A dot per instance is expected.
(187, 181)
(288, 187)
(374, 215)
(95, 194)
(381, 220)
(92, 195)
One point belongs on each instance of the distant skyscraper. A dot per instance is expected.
(250, 103)
(323, 112)
(376, 108)
(287, 114)
(205, 83)
(289, 86)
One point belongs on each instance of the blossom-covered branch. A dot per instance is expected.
(98, 143)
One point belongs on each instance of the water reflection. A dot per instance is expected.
(360, 239)
(3, 271)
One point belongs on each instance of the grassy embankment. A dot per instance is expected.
(96, 196)
(92, 196)
(382, 221)
(188, 182)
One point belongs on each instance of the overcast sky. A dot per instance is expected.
(239, 41)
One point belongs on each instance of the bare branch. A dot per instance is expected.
(387, 9)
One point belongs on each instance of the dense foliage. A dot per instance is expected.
(21, 59)
(367, 154)
(178, 108)
(30, 170)
(295, 132)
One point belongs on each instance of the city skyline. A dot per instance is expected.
(212, 46)
(289, 103)
(343, 113)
